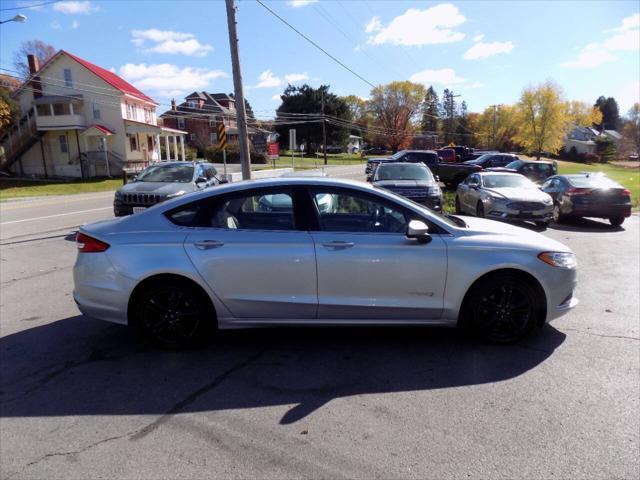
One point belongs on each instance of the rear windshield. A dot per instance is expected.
(592, 181)
(167, 173)
(403, 172)
(515, 164)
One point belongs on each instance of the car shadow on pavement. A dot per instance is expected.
(78, 366)
(585, 225)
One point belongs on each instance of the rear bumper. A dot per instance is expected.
(601, 211)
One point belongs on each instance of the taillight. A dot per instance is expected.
(625, 193)
(87, 244)
(578, 191)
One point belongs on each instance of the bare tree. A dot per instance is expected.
(43, 52)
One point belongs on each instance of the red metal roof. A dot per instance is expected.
(102, 128)
(112, 79)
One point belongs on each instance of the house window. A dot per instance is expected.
(214, 138)
(96, 111)
(192, 136)
(61, 109)
(148, 117)
(212, 121)
(68, 82)
(192, 104)
(133, 142)
(64, 148)
(181, 123)
(131, 113)
(43, 110)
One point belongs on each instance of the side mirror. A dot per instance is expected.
(437, 177)
(201, 180)
(223, 180)
(419, 230)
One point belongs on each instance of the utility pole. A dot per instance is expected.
(495, 111)
(245, 158)
(324, 127)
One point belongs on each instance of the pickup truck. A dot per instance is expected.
(451, 174)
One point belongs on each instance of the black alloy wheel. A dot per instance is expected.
(174, 316)
(502, 309)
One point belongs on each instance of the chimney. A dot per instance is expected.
(173, 104)
(34, 66)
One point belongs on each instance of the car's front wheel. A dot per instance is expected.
(542, 225)
(616, 221)
(174, 314)
(502, 308)
(556, 214)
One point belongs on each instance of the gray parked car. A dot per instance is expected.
(504, 196)
(219, 259)
(160, 182)
(412, 180)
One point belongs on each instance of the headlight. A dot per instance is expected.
(177, 194)
(548, 201)
(500, 200)
(559, 259)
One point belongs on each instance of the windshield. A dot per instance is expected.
(507, 181)
(403, 172)
(167, 173)
(515, 164)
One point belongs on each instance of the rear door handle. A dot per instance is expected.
(338, 245)
(208, 244)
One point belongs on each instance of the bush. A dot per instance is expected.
(214, 154)
(591, 158)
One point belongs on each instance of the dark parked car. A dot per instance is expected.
(160, 182)
(374, 151)
(588, 195)
(536, 171)
(450, 174)
(492, 160)
(412, 180)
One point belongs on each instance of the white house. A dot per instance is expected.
(81, 120)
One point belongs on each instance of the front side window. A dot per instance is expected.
(64, 148)
(354, 212)
(68, 81)
(272, 210)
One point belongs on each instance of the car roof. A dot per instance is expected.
(401, 164)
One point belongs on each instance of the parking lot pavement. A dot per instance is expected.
(84, 399)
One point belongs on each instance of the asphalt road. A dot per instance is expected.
(83, 399)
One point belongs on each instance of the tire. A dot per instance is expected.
(174, 314)
(458, 209)
(502, 308)
(542, 225)
(480, 210)
(448, 185)
(556, 214)
(616, 221)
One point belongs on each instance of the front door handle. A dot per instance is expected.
(208, 244)
(338, 245)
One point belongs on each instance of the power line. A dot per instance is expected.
(315, 44)
(24, 7)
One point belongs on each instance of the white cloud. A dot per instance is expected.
(357, 48)
(477, 38)
(75, 8)
(625, 37)
(422, 27)
(268, 80)
(444, 76)
(167, 80)
(485, 50)
(373, 25)
(276, 97)
(627, 96)
(75, 24)
(301, 3)
(169, 42)
(296, 77)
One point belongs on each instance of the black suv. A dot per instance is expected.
(535, 170)
(492, 160)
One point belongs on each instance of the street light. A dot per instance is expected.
(18, 18)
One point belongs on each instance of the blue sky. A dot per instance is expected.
(486, 51)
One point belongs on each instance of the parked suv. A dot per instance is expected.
(491, 160)
(535, 170)
(163, 181)
(412, 180)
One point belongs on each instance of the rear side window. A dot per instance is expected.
(272, 210)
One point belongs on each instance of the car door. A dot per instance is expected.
(553, 187)
(249, 251)
(367, 267)
(472, 193)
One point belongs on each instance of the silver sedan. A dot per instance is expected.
(327, 252)
(504, 196)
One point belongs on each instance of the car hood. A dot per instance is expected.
(379, 159)
(402, 183)
(511, 235)
(501, 169)
(518, 194)
(160, 188)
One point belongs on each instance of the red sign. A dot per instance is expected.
(274, 150)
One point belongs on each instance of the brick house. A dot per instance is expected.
(200, 114)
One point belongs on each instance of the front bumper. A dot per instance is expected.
(502, 212)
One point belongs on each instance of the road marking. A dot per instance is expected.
(57, 215)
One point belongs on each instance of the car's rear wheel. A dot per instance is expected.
(480, 210)
(174, 314)
(616, 221)
(458, 208)
(503, 308)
